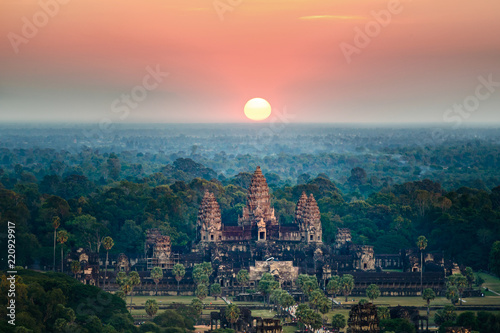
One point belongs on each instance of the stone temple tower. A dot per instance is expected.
(308, 217)
(209, 223)
(258, 208)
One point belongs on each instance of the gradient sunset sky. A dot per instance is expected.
(425, 60)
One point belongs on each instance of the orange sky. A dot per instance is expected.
(91, 52)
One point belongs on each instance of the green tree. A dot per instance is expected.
(267, 284)
(422, 244)
(468, 319)
(315, 299)
(134, 280)
(495, 258)
(286, 300)
(452, 294)
(383, 313)
(75, 267)
(428, 295)
(469, 275)
(62, 237)
(200, 273)
(347, 285)
(56, 223)
(276, 295)
(338, 322)
(307, 283)
(201, 291)
(207, 268)
(333, 287)
(127, 283)
(108, 244)
(242, 277)
(197, 306)
(372, 292)
(308, 317)
(232, 314)
(151, 307)
(178, 271)
(301, 279)
(324, 306)
(156, 274)
(460, 282)
(215, 290)
(446, 314)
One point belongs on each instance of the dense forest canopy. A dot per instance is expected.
(385, 189)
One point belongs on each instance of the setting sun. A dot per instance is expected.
(257, 109)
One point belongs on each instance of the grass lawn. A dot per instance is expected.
(289, 329)
(382, 301)
(263, 313)
(490, 282)
(418, 301)
(141, 300)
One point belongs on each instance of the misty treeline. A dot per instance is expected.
(296, 154)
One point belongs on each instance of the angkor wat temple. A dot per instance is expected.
(259, 243)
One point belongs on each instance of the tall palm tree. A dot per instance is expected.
(133, 280)
(242, 277)
(422, 244)
(232, 314)
(56, 222)
(428, 295)
(156, 274)
(347, 284)
(75, 267)
(179, 271)
(108, 243)
(62, 237)
(151, 307)
(333, 286)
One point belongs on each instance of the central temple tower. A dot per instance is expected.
(258, 209)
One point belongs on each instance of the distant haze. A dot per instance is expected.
(427, 57)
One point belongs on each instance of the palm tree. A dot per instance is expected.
(347, 284)
(215, 290)
(452, 294)
(422, 244)
(469, 274)
(324, 306)
(428, 295)
(133, 280)
(56, 223)
(315, 298)
(333, 287)
(372, 292)
(179, 271)
(127, 283)
(286, 301)
(201, 291)
(108, 243)
(232, 314)
(197, 306)
(461, 283)
(151, 307)
(242, 277)
(383, 313)
(62, 237)
(156, 275)
(75, 267)
(338, 322)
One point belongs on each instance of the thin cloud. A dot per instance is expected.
(332, 17)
